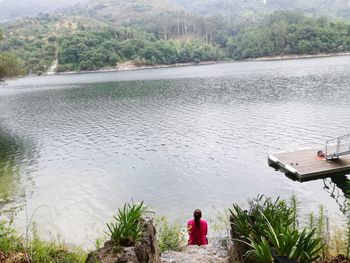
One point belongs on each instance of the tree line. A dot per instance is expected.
(173, 37)
(284, 33)
(94, 50)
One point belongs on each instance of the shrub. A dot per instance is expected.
(270, 226)
(170, 235)
(10, 65)
(126, 230)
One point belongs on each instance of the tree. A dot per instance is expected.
(10, 66)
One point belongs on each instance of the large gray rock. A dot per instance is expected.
(144, 251)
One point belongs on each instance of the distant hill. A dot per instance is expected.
(336, 8)
(126, 11)
(10, 9)
(123, 11)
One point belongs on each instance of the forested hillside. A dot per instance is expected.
(127, 9)
(284, 33)
(231, 8)
(105, 33)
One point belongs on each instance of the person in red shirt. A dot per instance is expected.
(197, 229)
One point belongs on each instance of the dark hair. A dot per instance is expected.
(197, 217)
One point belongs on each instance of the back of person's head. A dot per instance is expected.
(197, 214)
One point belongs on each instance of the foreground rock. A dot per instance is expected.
(144, 251)
(215, 252)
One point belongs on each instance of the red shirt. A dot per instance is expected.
(197, 235)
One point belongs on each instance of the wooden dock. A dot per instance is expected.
(306, 165)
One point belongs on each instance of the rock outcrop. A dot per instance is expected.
(144, 251)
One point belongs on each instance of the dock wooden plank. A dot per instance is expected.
(306, 164)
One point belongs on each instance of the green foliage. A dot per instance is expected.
(156, 37)
(11, 244)
(285, 33)
(41, 251)
(261, 250)
(170, 235)
(277, 212)
(126, 230)
(10, 65)
(90, 51)
(303, 246)
(9, 240)
(320, 224)
(271, 226)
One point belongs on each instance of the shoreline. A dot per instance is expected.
(131, 67)
(290, 57)
(127, 66)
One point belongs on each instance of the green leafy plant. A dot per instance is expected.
(261, 250)
(272, 226)
(127, 228)
(303, 246)
(170, 235)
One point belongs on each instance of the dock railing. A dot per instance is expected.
(338, 147)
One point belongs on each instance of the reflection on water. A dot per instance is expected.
(13, 151)
(338, 187)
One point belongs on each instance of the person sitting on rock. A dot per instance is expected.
(197, 229)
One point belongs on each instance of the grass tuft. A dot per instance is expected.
(16, 248)
(170, 235)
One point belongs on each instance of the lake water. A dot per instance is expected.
(76, 147)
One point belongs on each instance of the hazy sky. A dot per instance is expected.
(43, 2)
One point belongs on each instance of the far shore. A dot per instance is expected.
(287, 57)
(129, 66)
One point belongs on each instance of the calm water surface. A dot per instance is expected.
(78, 146)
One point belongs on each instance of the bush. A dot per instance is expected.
(10, 65)
(270, 226)
(127, 228)
(170, 236)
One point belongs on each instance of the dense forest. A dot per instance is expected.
(96, 36)
(9, 63)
